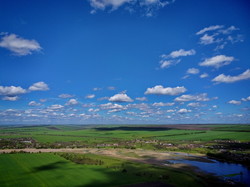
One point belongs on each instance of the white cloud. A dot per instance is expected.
(170, 110)
(93, 110)
(154, 2)
(167, 63)
(162, 104)
(185, 77)
(234, 102)
(64, 96)
(55, 107)
(103, 4)
(219, 36)
(39, 86)
(199, 97)
(11, 90)
(72, 102)
(204, 75)
(180, 53)
(149, 6)
(90, 96)
(231, 79)
(194, 104)
(183, 111)
(19, 46)
(141, 99)
(229, 30)
(34, 103)
(111, 88)
(171, 59)
(246, 99)
(97, 89)
(109, 106)
(103, 98)
(10, 98)
(120, 98)
(193, 71)
(217, 61)
(210, 28)
(160, 90)
(208, 39)
(43, 100)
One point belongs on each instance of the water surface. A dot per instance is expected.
(219, 169)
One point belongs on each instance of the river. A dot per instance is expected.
(228, 171)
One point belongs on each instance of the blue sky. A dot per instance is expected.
(124, 61)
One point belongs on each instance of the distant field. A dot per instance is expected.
(122, 133)
(47, 169)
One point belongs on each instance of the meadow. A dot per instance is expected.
(47, 169)
(122, 166)
(90, 134)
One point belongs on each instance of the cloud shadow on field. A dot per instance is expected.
(133, 128)
(51, 166)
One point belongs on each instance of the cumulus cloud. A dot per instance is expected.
(103, 98)
(97, 89)
(162, 104)
(210, 28)
(72, 102)
(217, 61)
(149, 6)
(93, 110)
(111, 106)
(231, 79)
(180, 53)
(34, 103)
(90, 96)
(19, 46)
(203, 75)
(183, 111)
(246, 99)
(170, 111)
(220, 36)
(160, 90)
(55, 107)
(193, 71)
(199, 97)
(167, 63)
(64, 96)
(122, 97)
(208, 39)
(39, 86)
(141, 99)
(171, 59)
(103, 4)
(229, 30)
(234, 102)
(11, 90)
(194, 104)
(10, 98)
(111, 88)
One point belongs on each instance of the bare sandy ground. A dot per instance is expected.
(138, 155)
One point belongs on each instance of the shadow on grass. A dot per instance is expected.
(51, 166)
(133, 128)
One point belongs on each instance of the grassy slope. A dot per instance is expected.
(47, 169)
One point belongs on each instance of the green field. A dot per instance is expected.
(107, 134)
(228, 142)
(47, 169)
